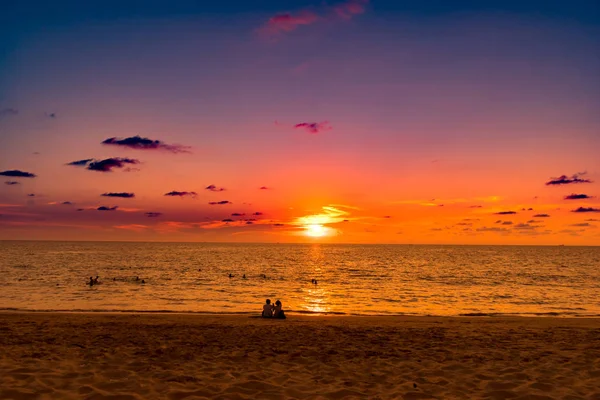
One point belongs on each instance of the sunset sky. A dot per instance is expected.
(301, 121)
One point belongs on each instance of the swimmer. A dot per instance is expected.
(91, 282)
(143, 281)
(244, 277)
(230, 275)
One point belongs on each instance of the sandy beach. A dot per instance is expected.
(182, 356)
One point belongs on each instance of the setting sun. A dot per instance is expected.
(315, 230)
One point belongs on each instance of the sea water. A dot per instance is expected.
(351, 279)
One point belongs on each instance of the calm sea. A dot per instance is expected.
(352, 279)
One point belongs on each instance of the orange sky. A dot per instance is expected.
(425, 128)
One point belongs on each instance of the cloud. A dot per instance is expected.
(15, 173)
(213, 188)
(350, 8)
(132, 227)
(12, 183)
(81, 163)
(264, 188)
(582, 224)
(577, 196)
(532, 221)
(104, 208)
(222, 202)
(565, 180)
(51, 115)
(507, 223)
(181, 194)
(153, 214)
(66, 203)
(541, 216)
(257, 213)
(238, 214)
(505, 212)
(593, 220)
(282, 23)
(31, 195)
(7, 112)
(586, 210)
(106, 165)
(227, 220)
(525, 226)
(140, 143)
(491, 229)
(475, 206)
(123, 195)
(314, 127)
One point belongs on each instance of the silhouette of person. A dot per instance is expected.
(277, 311)
(267, 309)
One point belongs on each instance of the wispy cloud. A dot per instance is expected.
(7, 112)
(350, 8)
(577, 196)
(176, 193)
(314, 127)
(15, 173)
(565, 180)
(492, 229)
(104, 208)
(123, 195)
(264, 188)
(153, 214)
(287, 22)
(218, 203)
(10, 183)
(140, 143)
(106, 165)
(505, 213)
(132, 227)
(541, 216)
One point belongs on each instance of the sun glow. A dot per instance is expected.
(315, 230)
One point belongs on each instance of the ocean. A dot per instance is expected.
(351, 279)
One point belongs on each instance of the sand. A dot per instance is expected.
(174, 356)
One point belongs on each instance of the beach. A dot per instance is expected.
(203, 356)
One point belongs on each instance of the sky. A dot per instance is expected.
(350, 121)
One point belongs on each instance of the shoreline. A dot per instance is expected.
(311, 314)
(177, 356)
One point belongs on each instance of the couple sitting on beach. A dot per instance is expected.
(273, 311)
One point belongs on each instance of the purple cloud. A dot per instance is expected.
(104, 208)
(505, 213)
(123, 195)
(264, 188)
(152, 214)
(314, 127)
(217, 203)
(565, 180)
(541, 216)
(577, 196)
(106, 165)
(15, 173)
(181, 194)
(10, 183)
(213, 188)
(140, 143)
(257, 213)
(586, 210)
(238, 214)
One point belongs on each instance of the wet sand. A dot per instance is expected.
(182, 356)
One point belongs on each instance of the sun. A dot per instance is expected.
(315, 230)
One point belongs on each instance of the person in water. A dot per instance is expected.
(96, 280)
(277, 311)
(267, 309)
(91, 282)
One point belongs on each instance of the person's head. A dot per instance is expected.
(268, 301)
(278, 303)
